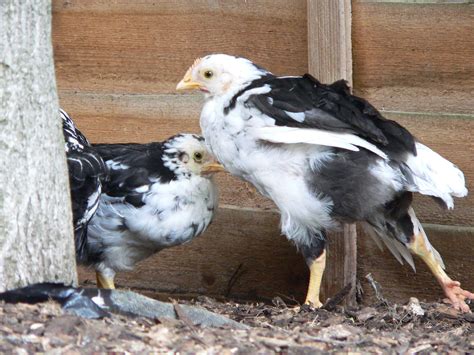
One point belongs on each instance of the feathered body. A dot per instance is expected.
(152, 200)
(321, 154)
(86, 172)
(317, 186)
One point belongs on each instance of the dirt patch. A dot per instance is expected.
(416, 327)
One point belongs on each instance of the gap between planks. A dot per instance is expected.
(127, 101)
(432, 226)
(439, 115)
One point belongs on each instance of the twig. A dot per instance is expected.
(293, 300)
(276, 343)
(278, 302)
(338, 342)
(181, 315)
(377, 288)
(233, 279)
(331, 303)
(419, 348)
(268, 325)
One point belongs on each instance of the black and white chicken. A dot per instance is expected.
(324, 157)
(86, 172)
(157, 195)
(131, 200)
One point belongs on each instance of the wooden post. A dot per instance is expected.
(329, 40)
(330, 59)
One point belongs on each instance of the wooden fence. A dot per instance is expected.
(117, 66)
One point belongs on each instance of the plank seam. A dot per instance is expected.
(431, 114)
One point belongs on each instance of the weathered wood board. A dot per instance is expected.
(138, 102)
(329, 40)
(241, 241)
(146, 46)
(330, 59)
(129, 110)
(117, 66)
(451, 136)
(242, 255)
(414, 57)
(271, 266)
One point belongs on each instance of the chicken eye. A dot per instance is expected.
(198, 156)
(208, 74)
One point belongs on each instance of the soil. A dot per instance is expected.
(273, 328)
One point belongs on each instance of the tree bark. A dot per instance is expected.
(36, 235)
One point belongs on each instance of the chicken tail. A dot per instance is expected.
(392, 234)
(433, 175)
(397, 248)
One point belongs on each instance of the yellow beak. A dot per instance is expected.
(211, 168)
(187, 83)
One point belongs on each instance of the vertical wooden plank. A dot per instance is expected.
(341, 265)
(329, 40)
(330, 59)
(350, 260)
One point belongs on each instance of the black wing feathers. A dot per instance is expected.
(87, 171)
(395, 133)
(84, 165)
(132, 169)
(305, 102)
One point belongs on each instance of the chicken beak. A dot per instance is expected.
(187, 83)
(211, 168)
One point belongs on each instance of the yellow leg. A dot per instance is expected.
(103, 281)
(316, 270)
(452, 289)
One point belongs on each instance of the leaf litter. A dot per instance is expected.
(415, 327)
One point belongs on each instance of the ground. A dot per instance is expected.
(275, 328)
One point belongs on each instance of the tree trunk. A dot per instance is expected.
(36, 236)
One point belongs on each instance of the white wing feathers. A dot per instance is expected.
(292, 135)
(434, 175)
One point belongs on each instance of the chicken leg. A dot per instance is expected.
(452, 289)
(316, 270)
(104, 281)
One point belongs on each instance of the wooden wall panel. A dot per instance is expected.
(109, 118)
(138, 109)
(271, 266)
(117, 64)
(117, 67)
(122, 119)
(146, 46)
(330, 40)
(413, 57)
(119, 86)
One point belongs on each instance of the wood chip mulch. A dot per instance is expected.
(276, 328)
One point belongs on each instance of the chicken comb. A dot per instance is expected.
(196, 62)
